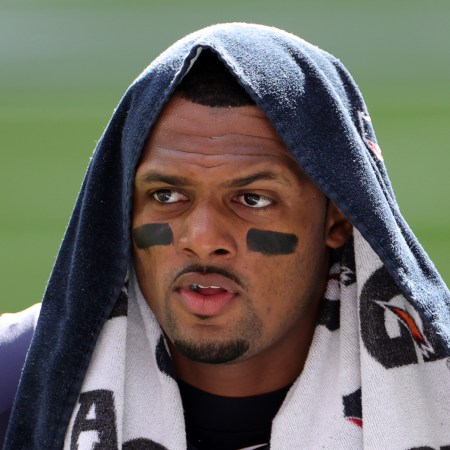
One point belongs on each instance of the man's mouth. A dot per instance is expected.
(206, 290)
(206, 294)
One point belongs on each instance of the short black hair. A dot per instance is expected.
(210, 83)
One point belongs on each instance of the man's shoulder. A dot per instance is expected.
(14, 325)
(16, 332)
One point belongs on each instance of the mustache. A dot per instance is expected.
(203, 269)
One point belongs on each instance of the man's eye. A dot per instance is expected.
(254, 200)
(168, 196)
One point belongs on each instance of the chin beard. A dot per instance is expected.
(213, 352)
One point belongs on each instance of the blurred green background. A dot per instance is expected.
(65, 64)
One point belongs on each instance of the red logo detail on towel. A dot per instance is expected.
(409, 322)
(391, 329)
(375, 148)
(356, 421)
(368, 135)
(353, 407)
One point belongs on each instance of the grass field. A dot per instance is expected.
(65, 65)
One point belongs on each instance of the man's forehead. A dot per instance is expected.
(196, 142)
(189, 127)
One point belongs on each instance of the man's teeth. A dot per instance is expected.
(195, 287)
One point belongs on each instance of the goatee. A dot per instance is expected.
(212, 352)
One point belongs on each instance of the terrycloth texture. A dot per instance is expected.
(350, 395)
(319, 113)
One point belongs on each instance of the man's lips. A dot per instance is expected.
(206, 294)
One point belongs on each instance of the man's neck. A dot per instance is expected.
(226, 423)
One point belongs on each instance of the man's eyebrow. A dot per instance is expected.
(265, 175)
(157, 177)
(174, 180)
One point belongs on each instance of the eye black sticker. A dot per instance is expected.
(271, 242)
(152, 234)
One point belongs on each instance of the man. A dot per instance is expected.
(236, 273)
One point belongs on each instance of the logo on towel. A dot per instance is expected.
(339, 274)
(367, 134)
(391, 328)
(353, 407)
(95, 425)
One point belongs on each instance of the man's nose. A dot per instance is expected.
(208, 232)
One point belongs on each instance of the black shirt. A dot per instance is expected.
(214, 422)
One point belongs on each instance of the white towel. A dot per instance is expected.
(375, 376)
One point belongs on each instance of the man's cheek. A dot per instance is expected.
(271, 242)
(151, 234)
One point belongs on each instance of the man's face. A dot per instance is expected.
(229, 234)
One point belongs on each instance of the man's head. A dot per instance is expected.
(231, 237)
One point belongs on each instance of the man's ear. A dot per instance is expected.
(337, 227)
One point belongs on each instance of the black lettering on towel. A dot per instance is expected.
(101, 403)
(142, 444)
(375, 303)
